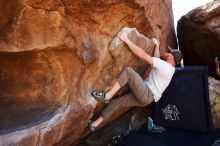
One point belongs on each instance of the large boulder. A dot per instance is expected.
(55, 52)
(199, 37)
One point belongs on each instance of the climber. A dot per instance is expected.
(143, 92)
(217, 66)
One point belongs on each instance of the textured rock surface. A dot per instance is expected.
(214, 95)
(51, 132)
(111, 134)
(54, 52)
(82, 25)
(37, 104)
(199, 36)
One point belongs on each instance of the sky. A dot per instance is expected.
(181, 7)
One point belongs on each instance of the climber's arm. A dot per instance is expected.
(156, 48)
(135, 49)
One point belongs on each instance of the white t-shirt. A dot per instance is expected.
(159, 77)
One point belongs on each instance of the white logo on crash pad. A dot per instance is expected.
(171, 112)
(216, 143)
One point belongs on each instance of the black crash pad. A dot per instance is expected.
(171, 137)
(185, 102)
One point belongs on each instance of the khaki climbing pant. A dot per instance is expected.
(140, 95)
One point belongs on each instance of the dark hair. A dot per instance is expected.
(177, 54)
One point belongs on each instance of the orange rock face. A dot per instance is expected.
(55, 52)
